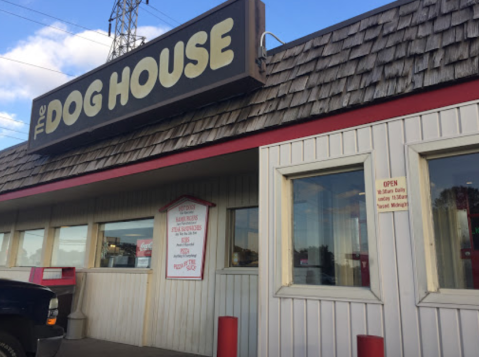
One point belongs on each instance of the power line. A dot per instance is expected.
(159, 18)
(18, 121)
(56, 28)
(16, 131)
(56, 18)
(161, 12)
(34, 65)
(12, 137)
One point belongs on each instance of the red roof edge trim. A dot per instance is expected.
(416, 103)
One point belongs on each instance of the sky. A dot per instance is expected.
(70, 37)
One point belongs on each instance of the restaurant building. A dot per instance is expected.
(328, 190)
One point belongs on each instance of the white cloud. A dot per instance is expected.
(57, 50)
(8, 121)
(151, 32)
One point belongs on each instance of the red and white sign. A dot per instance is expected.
(392, 195)
(186, 238)
(144, 247)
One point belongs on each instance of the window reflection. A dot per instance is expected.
(69, 246)
(330, 230)
(454, 188)
(4, 242)
(30, 248)
(126, 244)
(245, 237)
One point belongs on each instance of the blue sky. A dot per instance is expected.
(69, 52)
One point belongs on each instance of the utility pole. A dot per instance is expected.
(125, 14)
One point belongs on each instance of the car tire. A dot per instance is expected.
(9, 346)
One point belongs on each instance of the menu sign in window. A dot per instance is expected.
(186, 239)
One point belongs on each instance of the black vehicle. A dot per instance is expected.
(28, 315)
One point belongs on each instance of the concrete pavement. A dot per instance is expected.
(96, 348)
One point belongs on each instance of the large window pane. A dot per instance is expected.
(30, 248)
(330, 230)
(69, 246)
(4, 242)
(244, 240)
(454, 185)
(126, 244)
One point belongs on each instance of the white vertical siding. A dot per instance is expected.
(115, 306)
(185, 313)
(329, 328)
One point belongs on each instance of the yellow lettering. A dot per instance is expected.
(74, 97)
(93, 109)
(218, 57)
(122, 88)
(196, 53)
(168, 79)
(54, 116)
(138, 90)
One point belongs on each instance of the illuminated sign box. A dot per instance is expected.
(207, 59)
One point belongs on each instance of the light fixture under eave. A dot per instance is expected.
(362, 193)
(469, 183)
(133, 235)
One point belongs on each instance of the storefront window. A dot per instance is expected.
(30, 248)
(4, 242)
(330, 236)
(69, 246)
(126, 244)
(244, 242)
(454, 184)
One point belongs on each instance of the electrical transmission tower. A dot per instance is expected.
(125, 14)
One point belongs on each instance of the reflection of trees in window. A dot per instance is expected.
(453, 217)
(322, 274)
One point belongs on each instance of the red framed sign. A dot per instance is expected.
(187, 225)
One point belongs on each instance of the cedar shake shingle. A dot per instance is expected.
(410, 46)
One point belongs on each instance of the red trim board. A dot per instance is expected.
(420, 102)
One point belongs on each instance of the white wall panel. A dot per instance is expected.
(115, 306)
(6, 221)
(185, 312)
(34, 218)
(71, 213)
(13, 274)
(331, 327)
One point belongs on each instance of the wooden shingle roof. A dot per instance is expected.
(405, 47)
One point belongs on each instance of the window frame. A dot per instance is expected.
(230, 235)
(283, 251)
(97, 260)
(428, 292)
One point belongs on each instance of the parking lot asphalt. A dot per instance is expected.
(96, 348)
